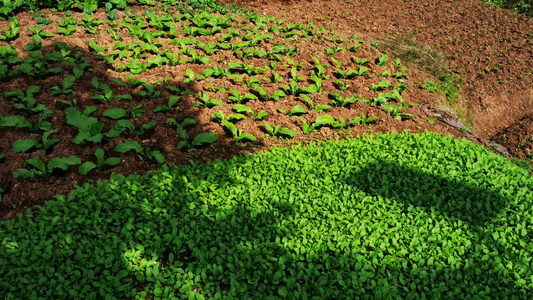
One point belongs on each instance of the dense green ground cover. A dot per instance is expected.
(397, 216)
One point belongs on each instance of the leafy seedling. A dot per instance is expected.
(219, 115)
(240, 99)
(149, 92)
(131, 83)
(205, 101)
(383, 84)
(27, 101)
(382, 59)
(89, 22)
(189, 76)
(246, 109)
(67, 25)
(143, 154)
(24, 145)
(39, 168)
(318, 108)
(338, 100)
(274, 97)
(172, 100)
(87, 166)
(41, 20)
(68, 82)
(341, 85)
(395, 111)
(198, 141)
(279, 132)
(359, 61)
(13, 31)
(89, 129)
(296, 110)
(364, 120)
(123, 125)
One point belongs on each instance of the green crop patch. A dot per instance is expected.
(383, 216)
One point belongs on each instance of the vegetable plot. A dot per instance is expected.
(182, 85)
(448, 219)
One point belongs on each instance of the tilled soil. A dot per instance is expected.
(25, 193)
(490, 48)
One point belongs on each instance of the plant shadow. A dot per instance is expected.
(165, 233)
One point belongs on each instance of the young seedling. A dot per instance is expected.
(216, 89)
(27, 102)
(39, 168)
(318, 108)
(205, 101)
(219, 115)
(341, 85)
(131, 83)
(123, 125)
(383, 84)
(172, 100)
(240, 99)
(198, 141)
(395, 111)
(246, 109)
(359, 61)
(89, 129)
(13, 31)
(189, 76)
(274, 97)
(382, 59)
(364, 120)
(149, 92)
(143, 154)
(67, 24)
(296, 110)
(87, 166)
(68, 82)
(294, 75)
(41, 20)
(279, 132)
(24, 145)
(238, 134)
(338, 100)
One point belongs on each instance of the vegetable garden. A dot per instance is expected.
(158, 115)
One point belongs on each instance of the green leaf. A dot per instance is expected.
(287, 132)
(115, 113)
(128, 146)
(298, 109)
(21, 146)
(243, 108)
(15, 121)
(245, 136)
(230, 126)
(63, 163)
(324, 120)
(204, 138)
(86, 167)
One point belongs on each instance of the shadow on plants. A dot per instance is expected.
(228, 229)
(483, 263)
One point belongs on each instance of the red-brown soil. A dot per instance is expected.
(493, 110)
